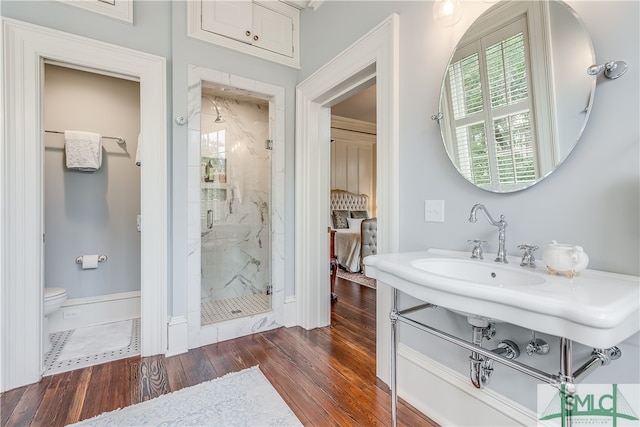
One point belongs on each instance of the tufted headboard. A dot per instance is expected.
(345, 202)
(342, 200)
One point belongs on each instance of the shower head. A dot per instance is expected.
(218, 119)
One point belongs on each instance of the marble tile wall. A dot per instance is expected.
(235, 199)
(202, 335)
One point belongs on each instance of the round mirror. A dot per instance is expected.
(516, 95)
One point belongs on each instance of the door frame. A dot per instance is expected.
(22, 251)
(375, 55)
(236, 85)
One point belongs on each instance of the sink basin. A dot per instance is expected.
(597, 308)
(478, 273)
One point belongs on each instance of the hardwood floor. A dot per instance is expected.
(326, 375)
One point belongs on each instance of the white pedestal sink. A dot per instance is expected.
(597, 309)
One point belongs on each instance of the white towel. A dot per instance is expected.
(83, 150)
(139, 150)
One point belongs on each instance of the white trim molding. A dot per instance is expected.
(374, 56)
(81, 312)
(117, 9)
(178, 334)
(26, 46)
(449, 398)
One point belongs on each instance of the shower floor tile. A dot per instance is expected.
(58, 339)
(233, 308)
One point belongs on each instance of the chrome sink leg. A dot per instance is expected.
(394, 350)
(567, 389)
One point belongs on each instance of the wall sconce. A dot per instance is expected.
(447, 12)
(612, 69)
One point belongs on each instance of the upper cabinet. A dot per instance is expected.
(267, 29)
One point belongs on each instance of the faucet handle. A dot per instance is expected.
(476, 252)
(528, 260)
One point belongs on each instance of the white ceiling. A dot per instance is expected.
(361, 106)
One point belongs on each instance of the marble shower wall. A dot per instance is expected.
(240, 87)
(235, 179)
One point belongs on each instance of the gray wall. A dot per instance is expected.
(591, 200)
(92, 212)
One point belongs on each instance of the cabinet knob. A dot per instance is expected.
(247, 33)
(255, 38)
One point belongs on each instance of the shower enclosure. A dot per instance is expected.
(235, 207)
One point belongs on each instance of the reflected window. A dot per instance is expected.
(214, 144)
(490, 104)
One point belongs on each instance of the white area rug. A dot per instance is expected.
(97, 339)
(244, 398)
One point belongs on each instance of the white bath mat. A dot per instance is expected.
(244, 398)
(97, 339)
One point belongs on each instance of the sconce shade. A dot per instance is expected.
(447, 12)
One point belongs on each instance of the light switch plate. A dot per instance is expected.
(434, 210)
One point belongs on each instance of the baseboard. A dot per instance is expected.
(178, 334)
(290, 311)
(79, 312)
(449, 398)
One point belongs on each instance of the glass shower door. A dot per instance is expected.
(235, 183)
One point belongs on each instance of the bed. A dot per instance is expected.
(354, 231)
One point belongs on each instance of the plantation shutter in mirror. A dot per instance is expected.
(490, 83)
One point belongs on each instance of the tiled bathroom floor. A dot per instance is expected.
(57, 360)
(218, 311)
(84, 356)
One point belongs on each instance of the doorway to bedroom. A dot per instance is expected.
(353, 188)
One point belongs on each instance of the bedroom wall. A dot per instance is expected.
(353, 160)
(591, 200)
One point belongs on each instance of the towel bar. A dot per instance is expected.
(118, 139)
(101, 258)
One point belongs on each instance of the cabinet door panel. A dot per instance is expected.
(228, 18)
(273, 29)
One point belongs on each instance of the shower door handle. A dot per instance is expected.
(210, 219)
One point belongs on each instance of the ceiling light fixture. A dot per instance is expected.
(447, 12)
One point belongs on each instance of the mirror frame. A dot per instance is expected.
(543, 110)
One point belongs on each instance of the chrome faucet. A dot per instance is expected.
(502, 224)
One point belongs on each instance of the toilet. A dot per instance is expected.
(53, 300)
